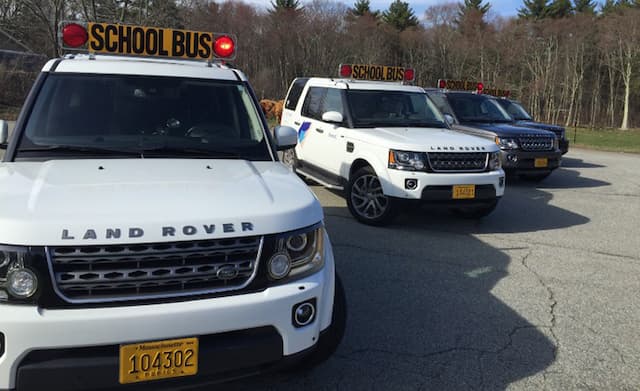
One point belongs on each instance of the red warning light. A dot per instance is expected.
(345, 70)
(442, 83)
(224, 47)
(74, 35)
(480, 88)
(409, 74)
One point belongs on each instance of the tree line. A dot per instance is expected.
(570, 62)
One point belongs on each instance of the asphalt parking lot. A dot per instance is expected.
(542, 294)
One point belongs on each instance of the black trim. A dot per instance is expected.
(445, 193)
(350, 146)
(222, 357)
(55, 65)
(18, 129)
(322, 174)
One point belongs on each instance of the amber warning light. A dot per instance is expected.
(106, 38)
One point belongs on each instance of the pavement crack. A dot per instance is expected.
(553, 302)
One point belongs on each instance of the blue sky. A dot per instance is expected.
(498, 7)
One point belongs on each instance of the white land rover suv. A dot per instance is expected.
(386, 144)
(148, 232)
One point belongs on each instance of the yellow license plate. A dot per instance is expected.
(464, 191)
(541, 162)
(158, 360)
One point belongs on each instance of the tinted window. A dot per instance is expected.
(477, 108)
(441, 103)
(140, 113)
(515, 110)
(371, 108)
(294, 93)
(333, 101)
(312, 107)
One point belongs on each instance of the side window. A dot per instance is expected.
(294, 93)
(313, 103)
(333, 101)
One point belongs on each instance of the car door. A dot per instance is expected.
(314, 144)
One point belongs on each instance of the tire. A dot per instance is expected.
(534, 177)
(366, 200)
(476, 212)
(331, 337)
(289, 158)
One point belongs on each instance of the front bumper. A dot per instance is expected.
(523, 162)
(564, 145)
(37, 340)
(433, 187)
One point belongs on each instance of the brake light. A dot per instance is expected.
(442, 83)
(224, 47)
(345, 70)
(409, 74)
(74, 35)
(480, 88)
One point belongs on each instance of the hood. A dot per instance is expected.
(71, 202)
(424, 139)
(508, 129)
(559, 130)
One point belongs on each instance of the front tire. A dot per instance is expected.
(366, 200)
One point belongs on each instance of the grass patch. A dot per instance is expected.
(615, 140)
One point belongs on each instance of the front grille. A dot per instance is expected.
(458, 161)
(536, 143)
(93, 274)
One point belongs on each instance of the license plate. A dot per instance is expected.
(541, 162)
(158, 360)
(464, 191)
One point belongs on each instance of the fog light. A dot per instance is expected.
(279, 266)
(21, 283)
(512, 158)
(501, 181)
(410, 184)
(304, 313)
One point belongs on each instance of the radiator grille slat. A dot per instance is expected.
(93, 274)
(536, 143)
(458, 161)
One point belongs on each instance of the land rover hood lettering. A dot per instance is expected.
(167, 231)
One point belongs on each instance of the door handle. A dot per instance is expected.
(296, 123)
(319, 130)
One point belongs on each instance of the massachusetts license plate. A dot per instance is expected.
(158, 360)
(464, 191)
(541, 162)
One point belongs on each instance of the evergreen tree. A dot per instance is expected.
(400, 16)
(560, 9)
(474, 6)
(534, 9)
(363, 8)
(584, 6)
(285, 5)
(471, 14)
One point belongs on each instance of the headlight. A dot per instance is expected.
(494, 161)
(404, 160)
(17, 280)
(506, 143)
(297, 254)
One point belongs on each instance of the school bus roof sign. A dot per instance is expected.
(376, 72)
(108, 38)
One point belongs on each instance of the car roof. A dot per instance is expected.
(362, 84)
(122, 65)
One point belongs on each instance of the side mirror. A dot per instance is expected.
(4, 132)
(333, 117)
(449, 119)
(286, 137)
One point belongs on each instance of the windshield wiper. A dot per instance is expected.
(84, 149)
(203, 153)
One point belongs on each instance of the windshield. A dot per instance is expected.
(515, 110)
(477, 108)
(370, 108)
(81, 115)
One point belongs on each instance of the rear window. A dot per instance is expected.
(294, 93)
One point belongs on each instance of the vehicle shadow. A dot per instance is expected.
(562, 178)
(570, 162)
(421, 315)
